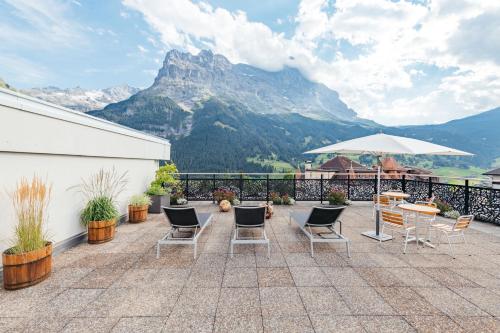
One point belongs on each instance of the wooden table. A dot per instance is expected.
(397, 196)
(419, 210)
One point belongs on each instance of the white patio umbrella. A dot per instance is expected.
(379, 145)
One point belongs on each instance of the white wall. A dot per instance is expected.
(63, 146)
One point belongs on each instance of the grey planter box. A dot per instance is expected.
(157, 201)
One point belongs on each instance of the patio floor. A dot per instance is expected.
(121, 287)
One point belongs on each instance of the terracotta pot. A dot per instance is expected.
(101, 231)
(137, 214)
(225, 206)
(26, 269)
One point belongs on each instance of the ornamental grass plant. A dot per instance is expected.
(30, 201)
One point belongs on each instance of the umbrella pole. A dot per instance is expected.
(376, 234)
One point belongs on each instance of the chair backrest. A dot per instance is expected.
(181, 217)
(384, 200)
(427, 204)
(393, 218)
(249, 216)
(463, 222)
(324, 216)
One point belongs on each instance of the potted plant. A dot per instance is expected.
(275, 198)
(225, 194)
(164, 179)
(29, 260)
(159, 197)
(100, 213)
(177, 195)
(138, 208)
(337, 198)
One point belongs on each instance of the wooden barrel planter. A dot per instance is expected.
(101, 231)
(26, 269)
(137, 214)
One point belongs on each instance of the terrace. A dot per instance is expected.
(120, 286)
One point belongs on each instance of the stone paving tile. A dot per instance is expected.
(388, 324)
(344, 276)
(143, 301)
(45, 324)
(90, 325)
(364, 301)
(70, 302)
(323, 301)
(275, 260)
(300, 259)
(26, 302)
(329, 259)
(170, 277)
(274, 277)
(12, 324)
(134, 277)
(189, 324)
(300, 324)
(240, 277)
(65, 277)
(245, 324)
(99, 278)
(241, 260)
(236, 302)
(139, 324)
(376, 276)
(405, 301)
(281, 302)
(482, 298)
(449, 302)
(478, 276)
(216, 247)
(412, 277)
(448, 278)
(309, 276)
(433, 324)
(197, 301)
(478, 324)
(332, 324)
(209, 277)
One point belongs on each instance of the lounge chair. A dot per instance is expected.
(184, 219)
(248, 217)
(321, 217)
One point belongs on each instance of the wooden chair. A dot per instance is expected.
(456, 229)
(395, 221)
(385, 203)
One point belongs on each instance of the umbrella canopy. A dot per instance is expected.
(380, 144)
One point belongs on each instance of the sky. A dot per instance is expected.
(395, 62)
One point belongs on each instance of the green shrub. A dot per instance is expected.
(155, 189)
(336, 198)
(442, 205)
(99, 209)
(140, 200)
(275, 198)
(165, 176)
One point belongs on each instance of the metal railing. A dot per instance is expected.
(482, 202)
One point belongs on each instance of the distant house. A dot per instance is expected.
(340, 167)
(495, 177)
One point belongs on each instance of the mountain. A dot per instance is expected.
(5, 85)
(82, 99)
(189, 79)
(225, 117)
(478, 134)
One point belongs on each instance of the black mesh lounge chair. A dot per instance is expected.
(184, 219)
(321, 217)
(249, 217)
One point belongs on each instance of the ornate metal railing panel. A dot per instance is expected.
(483, 203)
(418, 190)
(362, 189)
(308, 190)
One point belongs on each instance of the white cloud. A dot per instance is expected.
(142, 49)
(458, 38)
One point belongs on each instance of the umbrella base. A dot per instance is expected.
(380, 236)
